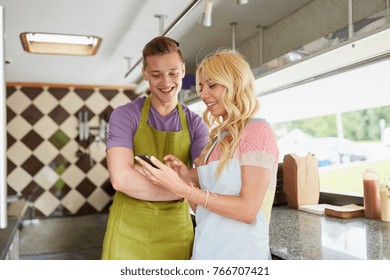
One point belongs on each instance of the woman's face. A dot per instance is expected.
(164, 74)
(211, 94)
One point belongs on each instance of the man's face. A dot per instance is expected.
(164, 74)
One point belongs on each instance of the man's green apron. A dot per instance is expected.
(144, 230)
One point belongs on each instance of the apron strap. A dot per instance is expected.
(183, 120)
(145, 112)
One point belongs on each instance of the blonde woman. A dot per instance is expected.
(232, 189)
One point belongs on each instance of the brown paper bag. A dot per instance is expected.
(301, 180)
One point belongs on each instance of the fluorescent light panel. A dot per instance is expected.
(46, 43)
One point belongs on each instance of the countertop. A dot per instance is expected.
(16, 211)
(6, 236)
(298, 235)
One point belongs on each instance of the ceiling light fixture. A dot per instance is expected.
(161, 19)
(205, 19)
(241, 2)
(46, 43)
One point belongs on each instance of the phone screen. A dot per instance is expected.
(147, 159)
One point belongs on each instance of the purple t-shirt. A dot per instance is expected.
(124, 122)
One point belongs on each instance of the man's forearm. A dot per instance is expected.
(151, 192)
(136, 185)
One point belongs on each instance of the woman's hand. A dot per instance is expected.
(179, 166)
(165, 175)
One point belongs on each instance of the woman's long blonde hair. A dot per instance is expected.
(230, 69)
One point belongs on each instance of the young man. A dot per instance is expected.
(146, 221)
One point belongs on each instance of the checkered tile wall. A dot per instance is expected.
(47, 164)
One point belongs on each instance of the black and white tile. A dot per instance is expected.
(47, 164)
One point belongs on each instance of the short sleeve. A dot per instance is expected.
(122, 126)
(258, 145)
(199, 133)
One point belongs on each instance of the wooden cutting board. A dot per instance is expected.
(345, 212)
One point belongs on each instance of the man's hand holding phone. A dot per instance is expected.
(147, 159)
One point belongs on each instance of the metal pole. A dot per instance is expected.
(260, 45)
(233, 24)
(3, 137)
(128, 59)
(350, 19)
(387, 8)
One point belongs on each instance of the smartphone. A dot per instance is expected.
(147, 159)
